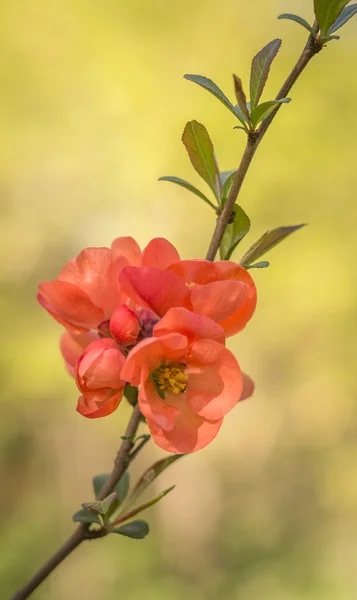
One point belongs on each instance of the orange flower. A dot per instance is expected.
(98, 377)
(87, 290)
(222, 290)
(188, 380)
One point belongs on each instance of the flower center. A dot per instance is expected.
(170, 378)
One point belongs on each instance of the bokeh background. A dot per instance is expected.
(93, 105)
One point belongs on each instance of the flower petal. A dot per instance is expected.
(189, 433)
(248, 387)
(220, 300)
(196, 271)
(156, 409)
(72, 347)
(193, 326)
(154, 289)
(127, 247)
(222, 290)
(215, 383)
(95, 271)
(159, 253)
(150, 353)
(98, 405)
(69, 305)
(101, 368)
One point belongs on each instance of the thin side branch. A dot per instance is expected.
(312, 47)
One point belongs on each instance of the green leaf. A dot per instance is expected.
(345, 16)
(241, 98)
(234, 232)
(138, 509)
(227, 178)
(299, 20)
(211, 87)
(260, 70)
(267, 242)
(188, 187)
(86, 516)
(121, 488)
(131, 394)
(103, 506)
(262, 111)
(136, 529)
(259, 265)
(201, 152)
(150, 475)
(327, 12)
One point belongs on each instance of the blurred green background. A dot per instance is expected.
(93, 105)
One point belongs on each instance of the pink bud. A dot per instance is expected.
(98, 378)
(124, 325)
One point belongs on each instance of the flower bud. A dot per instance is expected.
(124, 325)
(98, 378)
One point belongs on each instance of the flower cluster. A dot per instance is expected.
(154, 321)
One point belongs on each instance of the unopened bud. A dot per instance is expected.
(124, 325)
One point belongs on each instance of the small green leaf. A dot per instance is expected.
(201, 152)
(121, 488)
(188, 187)
(267, 242)
(138, 509)
(262, 111)
(331, 37)
(327, 13)
(260, 70)
(241, 98)
(102, 506)
(345, 16)
(298, 20)
(131, 394)
(136, 529)
(259, 265)
(234, 232)
(211, 87)
(86, 516)
(150, 475)
(227, 178)
(110, 503)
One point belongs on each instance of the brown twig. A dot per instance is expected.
(82, 533)
(313, 46)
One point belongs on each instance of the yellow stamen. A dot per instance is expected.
(170, 379)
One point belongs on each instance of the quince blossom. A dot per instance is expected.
(222, 290)
(159, 323)
(87, 290)
(188, 380)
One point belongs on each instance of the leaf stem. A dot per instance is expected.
(82, 532)
(312, 47)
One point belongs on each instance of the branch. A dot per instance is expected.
(313, 46)
(124, 455)
(82, 533)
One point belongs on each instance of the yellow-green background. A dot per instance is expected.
(93, 105)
